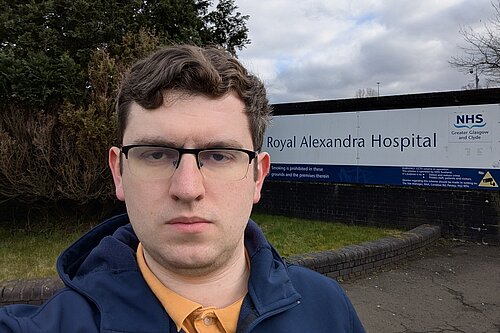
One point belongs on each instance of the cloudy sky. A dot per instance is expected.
(324, 49)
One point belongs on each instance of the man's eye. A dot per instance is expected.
(218, 157)
(157, 155)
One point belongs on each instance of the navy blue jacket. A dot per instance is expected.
(105, 292)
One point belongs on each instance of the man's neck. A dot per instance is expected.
(219, 289)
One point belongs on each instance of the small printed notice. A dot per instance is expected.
(303, 172)
(436, 177)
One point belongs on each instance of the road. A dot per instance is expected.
(451, 287)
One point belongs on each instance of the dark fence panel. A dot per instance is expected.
(470, 215)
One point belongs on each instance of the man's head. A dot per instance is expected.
(191, 70)
(190, 123)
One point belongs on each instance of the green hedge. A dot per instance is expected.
(58, 157)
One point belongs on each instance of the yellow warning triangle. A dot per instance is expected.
(488, 181)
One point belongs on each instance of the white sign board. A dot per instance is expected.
(445, 147)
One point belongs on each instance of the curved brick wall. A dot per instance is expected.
(348, 262)
(28, 291)
(356, 260)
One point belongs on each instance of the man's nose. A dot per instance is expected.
(187, 182)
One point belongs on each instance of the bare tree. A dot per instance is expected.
(368, 92)
(481, 55)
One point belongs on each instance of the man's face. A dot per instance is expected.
(190, 224)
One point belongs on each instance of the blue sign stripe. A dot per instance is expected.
(458, 178)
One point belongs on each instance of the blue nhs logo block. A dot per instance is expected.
(469, 120)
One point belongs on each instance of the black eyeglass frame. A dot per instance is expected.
(194, 151)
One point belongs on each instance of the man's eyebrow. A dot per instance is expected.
(160, 141)
(223, 144)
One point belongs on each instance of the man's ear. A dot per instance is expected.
(116, 169)
(263, 167)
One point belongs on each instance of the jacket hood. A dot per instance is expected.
(102, 266)
(91, 251)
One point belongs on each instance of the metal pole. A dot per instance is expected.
(476, 76)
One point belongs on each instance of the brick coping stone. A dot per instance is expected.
(346, 263)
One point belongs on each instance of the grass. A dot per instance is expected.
(27, 253)
(31, 252)
(292, 236)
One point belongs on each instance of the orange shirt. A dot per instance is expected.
(186, 314)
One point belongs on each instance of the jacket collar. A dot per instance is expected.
(101, 265)
(269, 286)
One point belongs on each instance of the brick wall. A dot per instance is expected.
(360, 259)
(471, 215)
(34, 291)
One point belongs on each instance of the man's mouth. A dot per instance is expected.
(189, 224)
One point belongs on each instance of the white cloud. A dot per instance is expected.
(320, 49)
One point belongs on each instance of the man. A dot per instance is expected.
(186, 258)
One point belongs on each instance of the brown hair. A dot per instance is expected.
(212, 72)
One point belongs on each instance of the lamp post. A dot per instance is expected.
(378, 89)
(476, 78)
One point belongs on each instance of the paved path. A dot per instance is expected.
(451, 287)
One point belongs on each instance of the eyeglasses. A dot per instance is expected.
(156, 162)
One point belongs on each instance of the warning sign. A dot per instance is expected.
(488, 181)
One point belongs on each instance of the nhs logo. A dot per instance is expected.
(469, 121)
